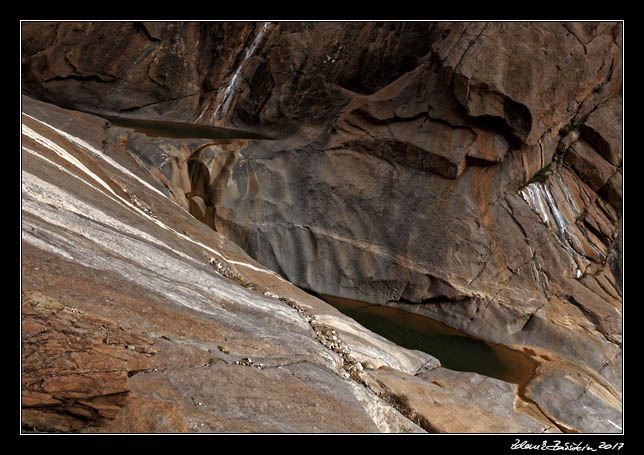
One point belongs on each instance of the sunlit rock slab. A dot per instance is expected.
(102, 243)
(460, 402)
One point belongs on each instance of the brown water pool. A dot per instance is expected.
(455, 349)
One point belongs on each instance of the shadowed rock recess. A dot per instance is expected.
(468, 172)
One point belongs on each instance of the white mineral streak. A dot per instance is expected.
(164, 270)
(234, 81)
(539, 197)
(97, 153)
(570, 200)
(182, 281)
(560, 220)
(566, 191)
(532, 194)
(88, 211)
(64, 154)
(614, 424)
(45, 246)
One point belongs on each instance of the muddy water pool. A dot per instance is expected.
(455, 349)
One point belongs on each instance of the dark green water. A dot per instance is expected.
(455, 349)
(161, 128)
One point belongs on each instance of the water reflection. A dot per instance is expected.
(160, 128)
(455, 349)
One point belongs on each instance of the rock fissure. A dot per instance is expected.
(83, 78)
(595, 320)
(350, 368)
(353, 369)
(530, 316)
(141, 27)
(470, 44)
(127, 109)
(543, 412)
(569, 30)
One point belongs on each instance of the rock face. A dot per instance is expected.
(75, 367)
(468, 171)
(139, 318)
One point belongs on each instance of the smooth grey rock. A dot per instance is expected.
(459, 402)
(349, 201)
(576, 400)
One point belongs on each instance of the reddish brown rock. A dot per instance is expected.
(443, 400)
(589, 164)
(143, 65)
(74, 366)
(513, 70)
(603, 129)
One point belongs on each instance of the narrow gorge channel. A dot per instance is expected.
(455, 349)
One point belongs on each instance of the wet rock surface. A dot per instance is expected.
(471, 172)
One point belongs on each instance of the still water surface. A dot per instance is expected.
(455, 349)
(162, 128)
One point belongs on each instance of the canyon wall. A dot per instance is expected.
(468, 171)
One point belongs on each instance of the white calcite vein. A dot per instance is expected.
(183, 280)
(539, 197)
(97, 153)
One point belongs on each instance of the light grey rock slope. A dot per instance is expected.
(138, 318)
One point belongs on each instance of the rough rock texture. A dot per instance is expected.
(75, 367)
(131, 306)
(144, 69)
(138, 318)
(468, 171)
(593, 408)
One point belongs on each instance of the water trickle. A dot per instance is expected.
(222, 108)
(539, 197)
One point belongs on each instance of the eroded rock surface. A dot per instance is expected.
(458, 402)
(74, 366)
(139, 318)
(468, 171)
